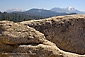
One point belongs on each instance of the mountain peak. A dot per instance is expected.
(70, 8)
(67, 10)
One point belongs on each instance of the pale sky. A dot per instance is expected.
(45, 4)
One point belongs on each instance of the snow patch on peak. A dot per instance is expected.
(70, 8)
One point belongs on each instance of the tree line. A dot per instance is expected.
(18, 17)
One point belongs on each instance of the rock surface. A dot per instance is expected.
(13, 33)
(18, 40)
(67, 32)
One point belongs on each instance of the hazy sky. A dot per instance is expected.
(46, 4)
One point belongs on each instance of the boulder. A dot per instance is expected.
(13, 33)
(67, 32)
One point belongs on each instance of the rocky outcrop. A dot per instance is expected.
(17, 38)
(44, 38)
(67, 32)
(13, 33)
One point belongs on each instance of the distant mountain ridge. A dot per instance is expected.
(67, 10)
(46, 13)
(39, 12)
(53, 10)
(17, 15)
